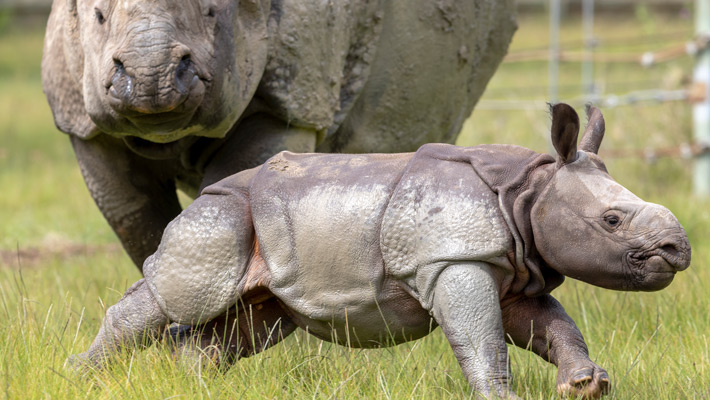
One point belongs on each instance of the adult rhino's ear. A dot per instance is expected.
(62, 71)
(594, 133)
(565, 129)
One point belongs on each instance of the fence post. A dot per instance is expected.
(701, 109)
(554, 60)
(589, 43)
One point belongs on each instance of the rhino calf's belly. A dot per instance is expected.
(370, 320)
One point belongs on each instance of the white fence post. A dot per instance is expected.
(588, 85)
(553, 65)
(701, 109)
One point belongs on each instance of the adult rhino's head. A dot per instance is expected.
(156, 70)
(588, 227)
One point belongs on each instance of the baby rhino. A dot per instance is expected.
(370, 250)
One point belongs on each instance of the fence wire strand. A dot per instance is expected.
(686, 151)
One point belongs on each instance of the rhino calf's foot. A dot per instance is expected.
(582, 378)
(541, 324)
(134, 322)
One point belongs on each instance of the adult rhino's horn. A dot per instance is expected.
(594, 133)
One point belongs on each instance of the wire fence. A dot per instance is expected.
(645, 59)
(614, 50)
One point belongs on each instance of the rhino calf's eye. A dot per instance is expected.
(612, 220)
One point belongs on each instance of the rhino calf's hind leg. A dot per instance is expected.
(135, 321)
(243, 331)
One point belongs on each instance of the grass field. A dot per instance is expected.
(61, 266)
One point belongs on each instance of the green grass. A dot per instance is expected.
(654, 345)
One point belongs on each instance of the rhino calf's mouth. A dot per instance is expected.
(669, 257)
(654, 269)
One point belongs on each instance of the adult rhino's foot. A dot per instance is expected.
(582, 379)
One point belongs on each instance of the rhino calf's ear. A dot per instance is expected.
(594, 133)
(565, 129)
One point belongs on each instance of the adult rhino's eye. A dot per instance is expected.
(99, 16)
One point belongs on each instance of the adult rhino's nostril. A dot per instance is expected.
(121, 84)
(118, 64)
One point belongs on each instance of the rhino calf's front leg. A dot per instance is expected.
(136, 320)
(467, 307)
(542, 323)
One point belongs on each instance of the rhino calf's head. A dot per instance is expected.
(589, 227)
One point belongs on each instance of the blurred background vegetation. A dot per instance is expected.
(60, 263)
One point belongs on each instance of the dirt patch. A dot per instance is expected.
(34, 256)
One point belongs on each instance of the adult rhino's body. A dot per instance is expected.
(367, 250)
(160, 93)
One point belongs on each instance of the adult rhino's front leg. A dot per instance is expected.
(555, 338)
(136, 196)
(466, 306)
(252, 142)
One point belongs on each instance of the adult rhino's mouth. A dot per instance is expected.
(161, 128)
(158, 151)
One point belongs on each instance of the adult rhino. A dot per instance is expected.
(372, 249)
(161, 93)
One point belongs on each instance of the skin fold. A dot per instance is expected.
(378, 249)
(158, 95)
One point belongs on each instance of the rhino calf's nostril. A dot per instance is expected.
(670, 249)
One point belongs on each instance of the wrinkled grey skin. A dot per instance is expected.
(158, 94)
(377, 249)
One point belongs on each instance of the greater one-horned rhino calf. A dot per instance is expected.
(378, 249)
